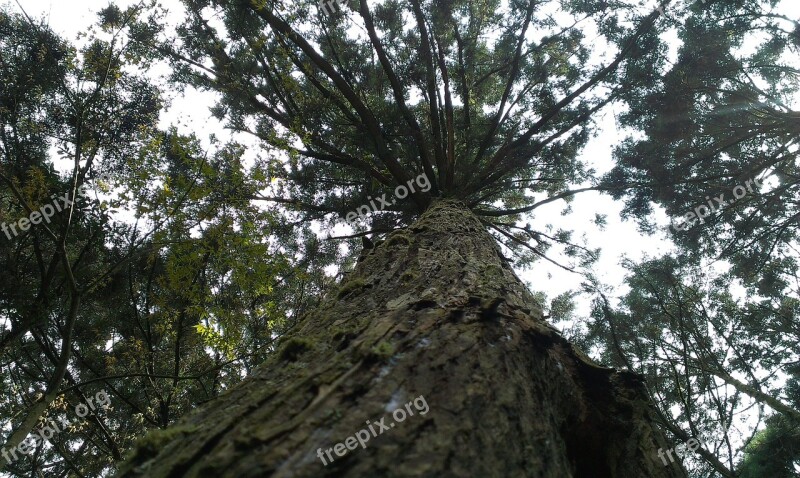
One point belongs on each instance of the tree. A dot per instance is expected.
(775, 451)
(436, 131)
(505, 391)
(91, 302)
(433, 310)
(703, 351)
(714, 326)
(54, 236)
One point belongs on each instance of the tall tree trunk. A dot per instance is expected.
(435, 316)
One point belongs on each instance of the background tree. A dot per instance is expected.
(775, 450)
(161, 285)
(714, 327)
(703, 351)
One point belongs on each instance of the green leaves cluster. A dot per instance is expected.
(164, 287)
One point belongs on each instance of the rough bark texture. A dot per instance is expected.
(434, 311)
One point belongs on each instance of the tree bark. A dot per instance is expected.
(434, 311)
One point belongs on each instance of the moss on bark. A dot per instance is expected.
(433, 311)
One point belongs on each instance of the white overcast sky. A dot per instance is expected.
(619, 239)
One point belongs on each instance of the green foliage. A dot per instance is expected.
(190, 261)
(184, 281)
(774, 452)
(562, 307)
(462, 91)
(720, 115)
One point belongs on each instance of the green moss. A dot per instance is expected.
(408, 276)
(344, 333)
(399, 238)
(494, 272)
(351, 286)
(294, 348)
(154, 442)
(339, 333)
(332, 415)
(382, 351)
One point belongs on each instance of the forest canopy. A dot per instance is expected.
(159, 268)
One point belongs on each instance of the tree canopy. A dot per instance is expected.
(181, 261)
